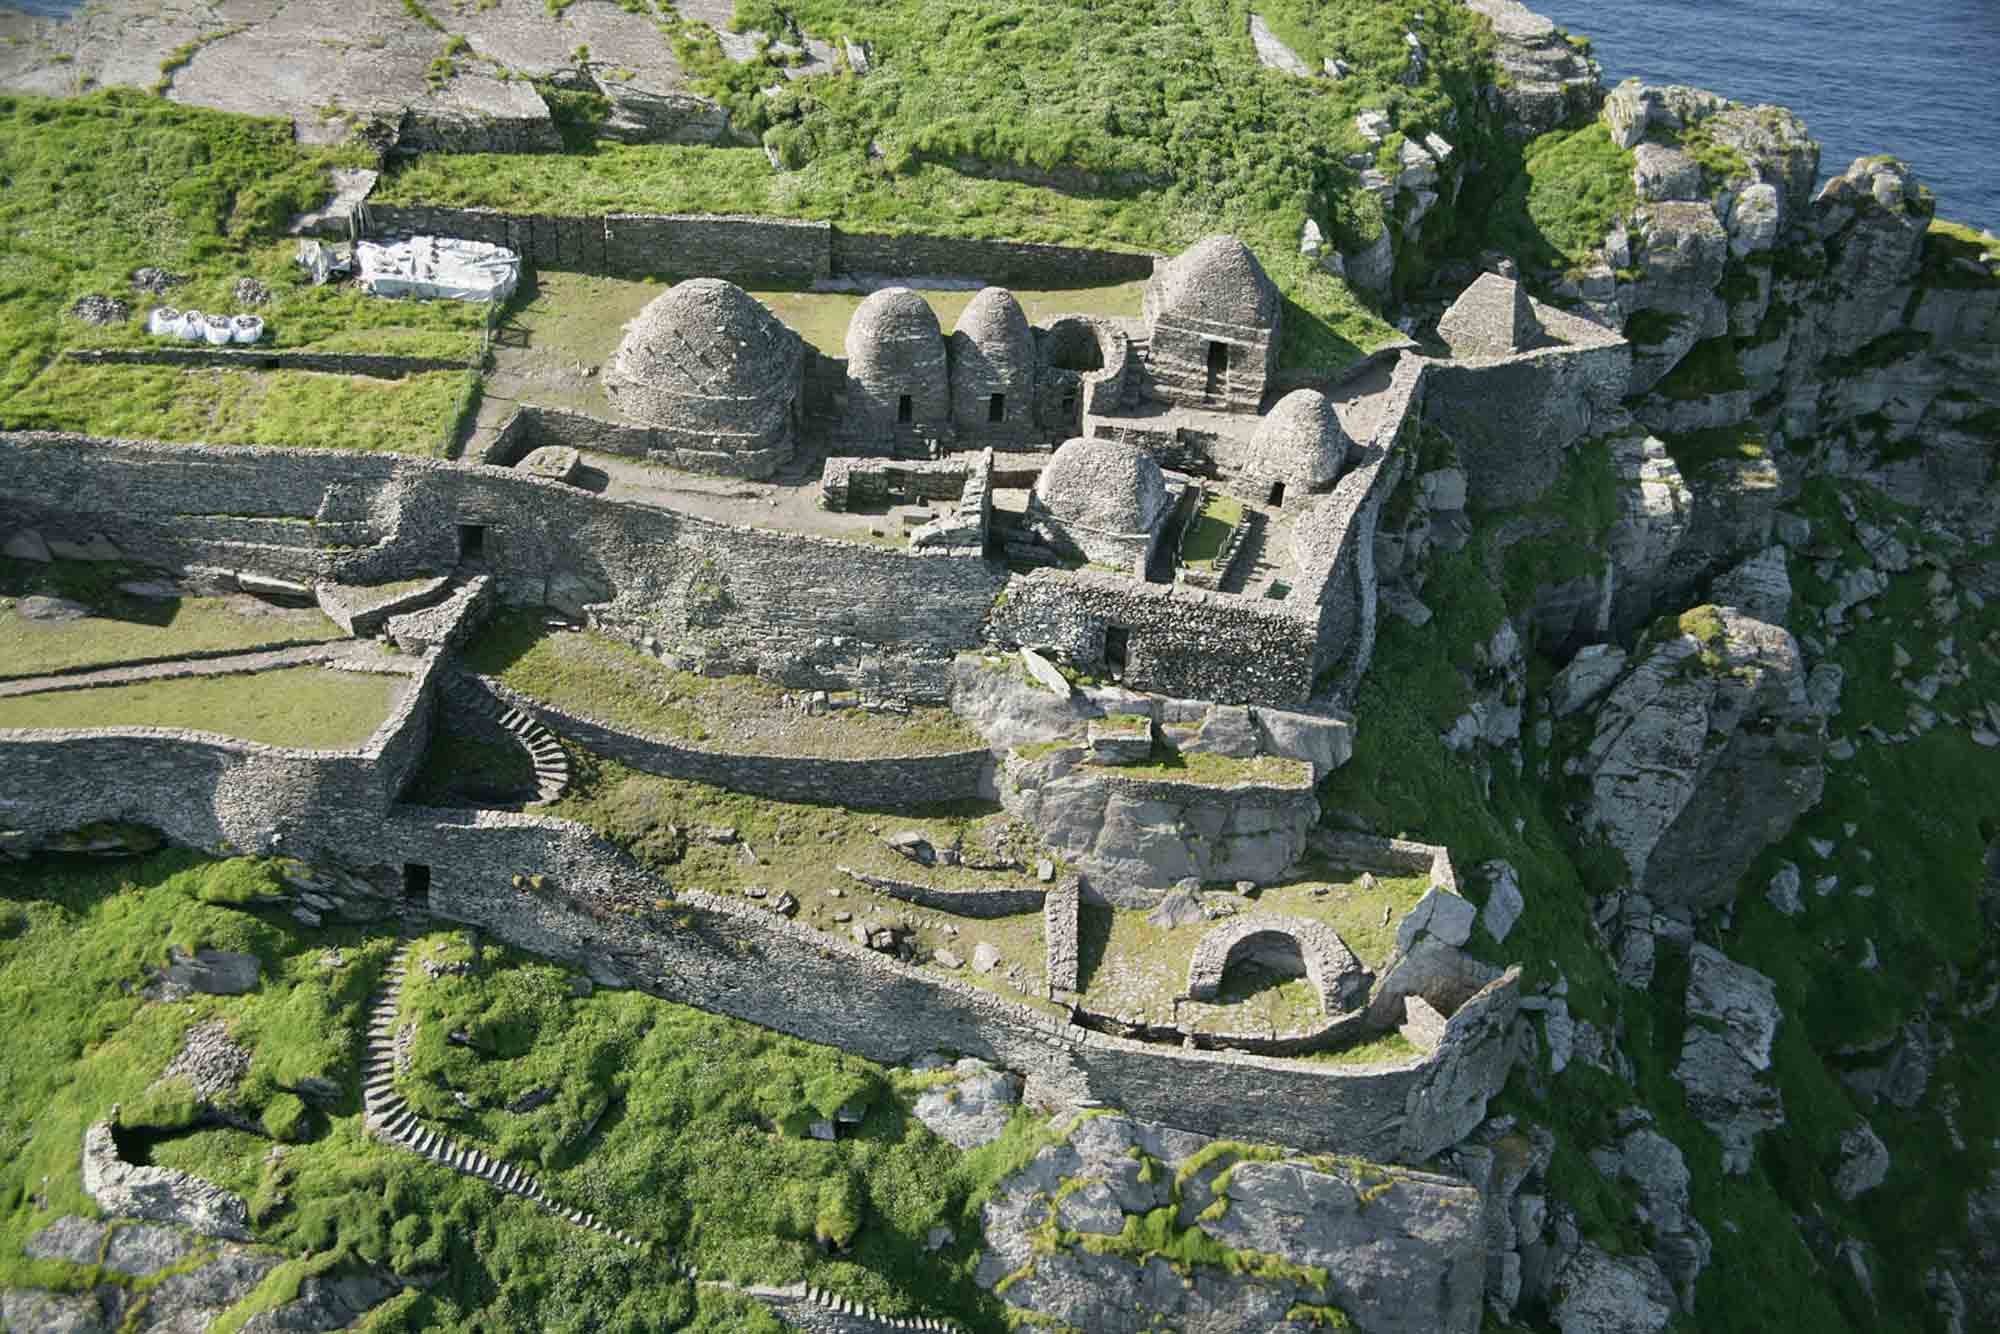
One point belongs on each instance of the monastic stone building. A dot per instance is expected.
(993, 372)
(1212, 319)
(714, 375)
(1104, 500)
(898, 383)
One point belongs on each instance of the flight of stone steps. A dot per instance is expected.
(388, 1117)
(544, 750)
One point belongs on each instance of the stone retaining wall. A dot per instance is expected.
(1061, 937)
(381, 366)
(887, 783)
(600, 910)
(744, 248)
(995, 901)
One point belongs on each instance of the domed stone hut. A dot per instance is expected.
(993, 371)
(1104, 500)
(715, 377)
(898, 383)
(1299, 448)
(1212, 317)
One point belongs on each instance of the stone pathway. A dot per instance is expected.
(360, 654)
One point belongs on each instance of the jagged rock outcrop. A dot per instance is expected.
(1656, 1169)
(1726, 1053)
(159, 1194)
(1549, 81)
(1600, 1293)
(1394, 1251)
(1703, 754)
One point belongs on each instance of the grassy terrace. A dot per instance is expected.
(618, 685)
(797, 848)
(99, 186)
(698, 1120)
(1211, 528)
(308, 708)
(1209, 770)
(124, 628)
(1131, 968)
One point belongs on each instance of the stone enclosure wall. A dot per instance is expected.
(811, 612)
(739, 247)
(886, 783)
(601, 911)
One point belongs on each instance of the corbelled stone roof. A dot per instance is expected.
(994, 322)
(1491, 318)
(702, 339)
(1217, 280)
(1301, 440)
(1109, 486)
(891, 327)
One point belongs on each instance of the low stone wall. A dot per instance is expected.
(204, 790)
(889, 783)
(997, 901)
(746, 248)
(999, 263)
(1062, 938)
(601, 911)
(1366, 852)
(1331, 967)
(377, 365)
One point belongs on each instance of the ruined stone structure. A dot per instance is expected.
(1212, 314)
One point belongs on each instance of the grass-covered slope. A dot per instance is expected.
(99, 186)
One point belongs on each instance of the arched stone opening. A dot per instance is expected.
(1260, 963)
(1073, 346)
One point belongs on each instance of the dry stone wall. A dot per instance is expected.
(376, 365)
(603, 912)
(885, 783)
(994, 901)
(1000, 263)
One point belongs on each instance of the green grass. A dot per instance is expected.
(1710, 367)
(601, 678)
(124, 628)
(290, 409)
(821, 318)
(309, 708)
(1207, 769)
(459, 770)
(1571, 186)
(1693, 451)
(1954, 253)
(1211, 528)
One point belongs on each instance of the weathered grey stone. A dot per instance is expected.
(1602, 1294)
(1583, 682)
(1742, 999)
(985, 958)
(1704, 753)
(1759, 587)
(1864, 1162)
(156, 1193)
(1045, 674)
(214, 972)
(1783, 891)
(26, 544)
(1504, 902)
(974, 1108)
(1272, 51)
(1441, 913)
(50, 610)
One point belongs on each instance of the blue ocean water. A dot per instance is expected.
(1915, 78)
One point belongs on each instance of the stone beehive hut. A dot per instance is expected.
(714, 376)
(898, 383)
(1105, 500)
(1491, 318)
(993, 371)
(1212, 318)
(1299, 447)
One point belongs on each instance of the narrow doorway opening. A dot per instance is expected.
(905, 409)
(472, 541)
(1069, 407)
(1278, 494)
(417, 885)
(1218, 366)
(996, 408)
(1117, 650)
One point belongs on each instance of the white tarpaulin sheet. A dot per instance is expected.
(438, 266)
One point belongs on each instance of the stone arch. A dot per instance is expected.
(1281, 943)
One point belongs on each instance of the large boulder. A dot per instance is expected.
(1703, 755)
(1403, 1251)
(1547, 83)
(1605, 1294)
(1726, 1054)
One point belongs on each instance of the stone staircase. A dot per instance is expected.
(388, 1117)
(545, 752)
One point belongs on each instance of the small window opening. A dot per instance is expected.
(905, 410)
(1069, 406)
(471, 541)
(1278, 493)
(1117, 649)
(417, 884)
(996, 408)
(1218, 366)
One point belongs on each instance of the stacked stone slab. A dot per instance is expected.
(1299, 446)
(1491, 318)
(545, 751)
(1104, 500)
(1212, 326)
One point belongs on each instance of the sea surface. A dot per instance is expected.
(1916, 78)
